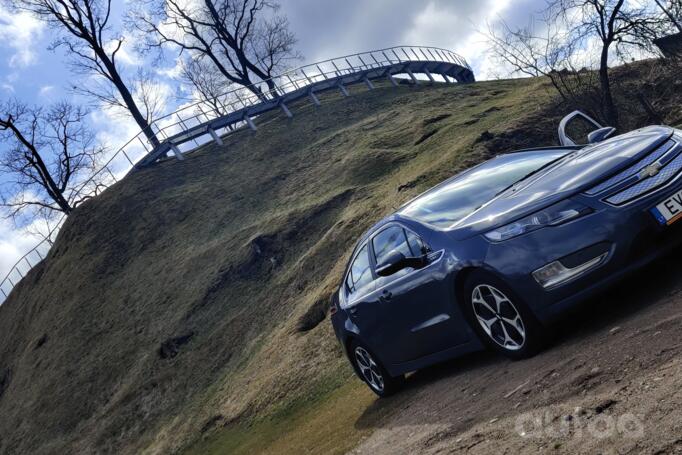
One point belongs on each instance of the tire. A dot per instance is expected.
(500, 318)
(372, 371)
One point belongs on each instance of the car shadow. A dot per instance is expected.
(447, 393)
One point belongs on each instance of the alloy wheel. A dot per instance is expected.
(498, 317)
(369, 369)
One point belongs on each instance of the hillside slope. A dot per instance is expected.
(183, 306)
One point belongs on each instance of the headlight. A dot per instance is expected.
(558, 213)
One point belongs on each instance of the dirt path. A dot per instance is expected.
(611, 383)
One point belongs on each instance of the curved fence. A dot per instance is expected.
(195, 124)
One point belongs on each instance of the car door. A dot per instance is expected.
(360, 300)
(417, 304)
(578, 128)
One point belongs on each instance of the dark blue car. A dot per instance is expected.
(493, 255)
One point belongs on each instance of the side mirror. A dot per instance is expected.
(600, 134)
(397, 261)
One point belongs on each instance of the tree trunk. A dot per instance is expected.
(610, 111)
(127, 97)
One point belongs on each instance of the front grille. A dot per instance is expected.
(631, 183)
(633, 169)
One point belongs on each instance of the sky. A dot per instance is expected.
(324, 28)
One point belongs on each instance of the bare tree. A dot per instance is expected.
(148, 95)
(542, 48)
(84, 30)
(247, 41)
(673, 11)
(615, 25)
(44, 152)
(207, 83)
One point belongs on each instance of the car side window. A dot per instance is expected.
(390, 239)
(360, 274)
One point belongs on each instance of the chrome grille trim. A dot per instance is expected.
(635, 168)
(667, 173)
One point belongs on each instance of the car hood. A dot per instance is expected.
(577, 172)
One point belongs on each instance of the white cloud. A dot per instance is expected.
(172, 72)
(45, 90)
(439, 24)
(20, 31)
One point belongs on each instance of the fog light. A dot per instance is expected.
(555, 273)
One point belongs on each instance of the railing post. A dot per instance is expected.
(342, 88)
(292, 82)
(142, 142)
(310, 81)
(412, 76)
(204, 113)
(285, 109)
(249, 122)
(338, 71)
(111, 174)
(321, 72)
(428, 74)
(349, 64)
(177, 152)
(127, 157)
(313, 97)
(215, 136)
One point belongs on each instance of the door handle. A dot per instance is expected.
(385, 296)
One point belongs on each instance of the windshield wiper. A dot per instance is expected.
(530, 174)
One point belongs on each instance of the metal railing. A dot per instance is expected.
(185, 125)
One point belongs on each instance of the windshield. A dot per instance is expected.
(459, 196)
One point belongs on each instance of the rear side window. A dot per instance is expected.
(359, 275)
(392, 238)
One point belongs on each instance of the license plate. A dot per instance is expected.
(670, 210)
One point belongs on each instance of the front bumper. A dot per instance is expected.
(629, 235)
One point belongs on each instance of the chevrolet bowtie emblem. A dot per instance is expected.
(650, 170)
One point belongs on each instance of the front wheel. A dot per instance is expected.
(373, 372)
(500, 318)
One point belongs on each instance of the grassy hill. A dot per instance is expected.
(183, 310)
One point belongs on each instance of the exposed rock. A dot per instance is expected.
(313, 316)
(40, 341)
(5, 378)
(171, 347)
